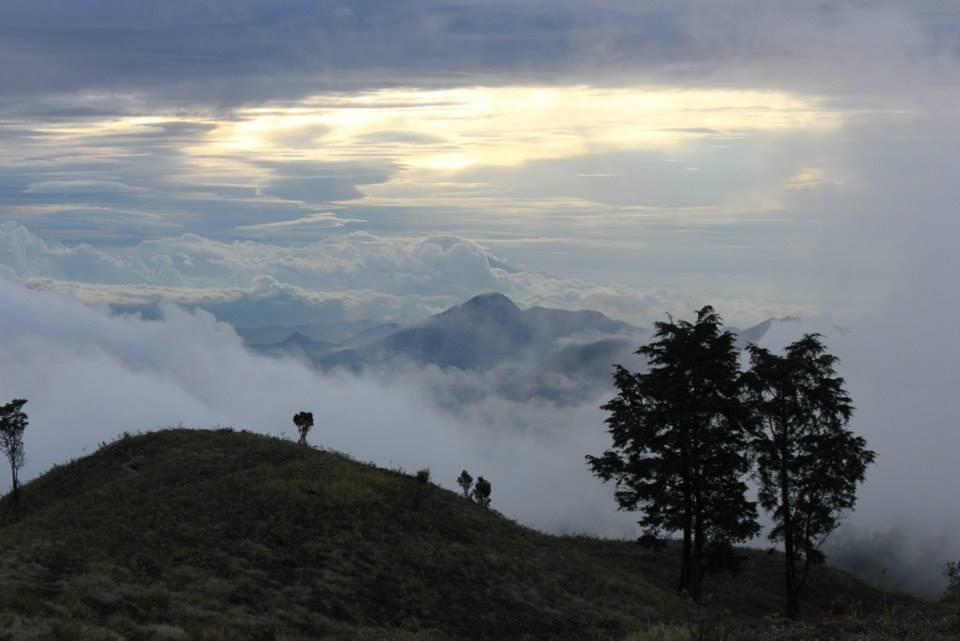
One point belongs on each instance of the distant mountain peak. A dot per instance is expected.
(298, 338)
(489, 304)
(490, 299)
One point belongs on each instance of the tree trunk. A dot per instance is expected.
(15, 494)
(696, 576)
(685, 565)
(685, 556)
(789, 546)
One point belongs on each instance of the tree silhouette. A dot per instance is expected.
(679, 444)
(808, 462)
(465, 481)
(13, 422)
(481, 491)
(303, 421)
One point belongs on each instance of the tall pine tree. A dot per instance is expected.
(808, 462)
(679, 444)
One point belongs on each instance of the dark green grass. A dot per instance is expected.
(232, 535)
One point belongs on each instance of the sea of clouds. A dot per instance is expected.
(91, 374)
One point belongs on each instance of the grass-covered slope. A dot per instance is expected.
(232, 535)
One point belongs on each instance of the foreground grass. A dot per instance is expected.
(217, 535)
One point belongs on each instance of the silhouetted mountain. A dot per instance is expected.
(562, 322)
(298, 344)
(370, 335)
(332, 332)
(558, 354)
(481, 333)
(594, 360)
(565, 356)
(755, 333)
(478, 334)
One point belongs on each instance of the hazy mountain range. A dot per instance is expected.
(556, 354)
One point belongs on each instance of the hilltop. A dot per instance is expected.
(217, 535)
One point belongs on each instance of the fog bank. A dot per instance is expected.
(90, 375)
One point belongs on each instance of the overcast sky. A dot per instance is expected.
(630, 156)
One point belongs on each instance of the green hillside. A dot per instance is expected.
(222, 535)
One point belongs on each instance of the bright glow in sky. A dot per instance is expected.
(506, 126)
(696, 147)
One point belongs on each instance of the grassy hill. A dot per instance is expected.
(219, 535)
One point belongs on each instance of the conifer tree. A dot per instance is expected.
(808, 462)
(679, 444)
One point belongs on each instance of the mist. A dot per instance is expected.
(90, 375)
(902, 530)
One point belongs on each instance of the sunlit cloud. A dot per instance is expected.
(285, 166)
(450, 130)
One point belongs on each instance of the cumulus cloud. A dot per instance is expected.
(357, 275)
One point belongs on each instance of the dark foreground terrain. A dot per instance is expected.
(218, 535)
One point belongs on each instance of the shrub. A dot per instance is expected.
(465, 481)
(952, 571)
(481, 492)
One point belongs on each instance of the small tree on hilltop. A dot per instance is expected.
(303, 421)
(481, 492)
(808, 462)
(465, 481)
(679, 445)
(13, 422)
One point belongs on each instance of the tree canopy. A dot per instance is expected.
(808, 464)
(303, 421)
(481, 491)
(465, 481)
(679, 443)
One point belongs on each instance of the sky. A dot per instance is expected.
(602, 152)
(288, 161)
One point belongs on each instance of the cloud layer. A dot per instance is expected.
(203, 51)
(89, 376)
(294, 161)
(359, 275)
